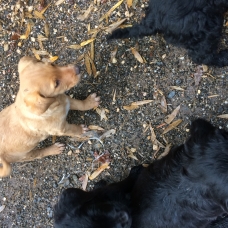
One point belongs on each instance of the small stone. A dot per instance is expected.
(171, 94)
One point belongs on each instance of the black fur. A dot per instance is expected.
(188, 188)
(193, 24)
(107, 206)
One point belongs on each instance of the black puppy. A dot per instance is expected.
(188, 188)
(104, 207)
(193, 24)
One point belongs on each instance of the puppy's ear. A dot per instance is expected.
(37, 103)
(24, 62)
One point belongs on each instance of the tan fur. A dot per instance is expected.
(40, 110)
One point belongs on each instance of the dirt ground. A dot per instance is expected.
(30, 193)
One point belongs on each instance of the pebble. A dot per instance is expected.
(171, 94)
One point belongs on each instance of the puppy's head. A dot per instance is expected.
(80, 209)
(41, 82)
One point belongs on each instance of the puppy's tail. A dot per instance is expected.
(5, 169)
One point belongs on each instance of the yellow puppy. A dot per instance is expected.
(40, 110)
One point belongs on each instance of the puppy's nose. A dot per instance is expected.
(76, 68)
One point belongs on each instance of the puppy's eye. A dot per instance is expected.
(57, 82)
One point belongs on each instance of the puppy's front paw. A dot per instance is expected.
(92, 101)
(56, 148)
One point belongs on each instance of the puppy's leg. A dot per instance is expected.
(72, 130)
(54, 149)
(90, 102)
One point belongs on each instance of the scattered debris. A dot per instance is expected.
(2, 208)
(84, 180)
(137, 55)
(172, 126)
(198, 75)
(99, 170)
(171, 117)
(130, 153)
(225, 116)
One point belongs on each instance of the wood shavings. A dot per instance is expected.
(84, 16)
(137, 55)
(110, 11)
(98, 171)
(171, 117)
(172, 126)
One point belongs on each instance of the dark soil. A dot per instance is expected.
(33, 188)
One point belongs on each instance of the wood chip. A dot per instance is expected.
(44, 9)
(153, 138)
(98, 171)
(2, 208)
(129, 3)
(87, 64)
(198, 75)
(94, 127)
(166, 151)
(171, 117)
(172, 126)
(137, 55)
(102, 114)
(53, 58)
(59, 2)
(163, 104)
(130, 153)
(35, 53)
(87, 42)
(108, 134)
(110, 11)
(141, 102)
(225, 116)
(84, 16)
(130, 107)
(38, 15)
(113, 55)
(75, 46)
(46, 29)
(177, 88)
(27, 32)
(211, 96)
(114, 25)
(92, 54)
(84, 180)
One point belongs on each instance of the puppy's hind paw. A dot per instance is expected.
(55, 149)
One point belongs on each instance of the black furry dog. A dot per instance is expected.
(104, 207)
(193, 24)
(188, 188)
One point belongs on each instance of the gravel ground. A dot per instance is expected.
(33, 188)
